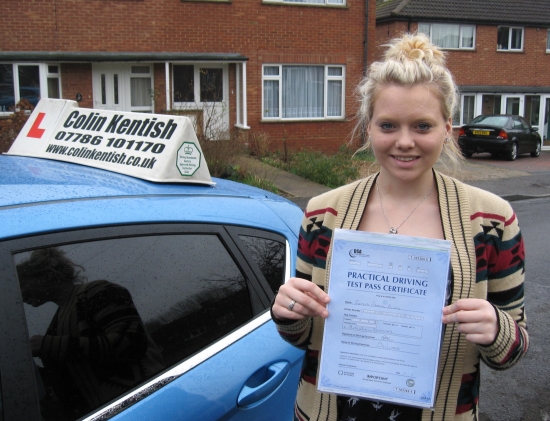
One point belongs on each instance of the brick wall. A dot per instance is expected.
(263, 32)
(485, 65)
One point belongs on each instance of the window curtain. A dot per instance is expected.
(446, 36)
(303, 91)
(467, 37)
(141, 91)
(271, 92)
(334, 98)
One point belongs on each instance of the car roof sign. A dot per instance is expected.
(154, 147)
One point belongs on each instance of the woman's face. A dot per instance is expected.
(407, 131)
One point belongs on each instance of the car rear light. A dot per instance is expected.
(461, 132)
(502, 135)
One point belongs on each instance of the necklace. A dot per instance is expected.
(392, 229)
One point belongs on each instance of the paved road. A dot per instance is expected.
(522, 393)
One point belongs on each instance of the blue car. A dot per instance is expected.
(128, 299)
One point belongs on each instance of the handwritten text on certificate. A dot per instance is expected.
(383, 334)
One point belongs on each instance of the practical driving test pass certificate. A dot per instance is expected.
(383, 334)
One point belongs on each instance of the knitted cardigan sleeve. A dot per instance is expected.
(313, 246)
(500, 261)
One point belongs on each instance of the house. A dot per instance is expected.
(286, 68)
(497, 50)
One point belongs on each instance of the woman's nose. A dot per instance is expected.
(405, 139)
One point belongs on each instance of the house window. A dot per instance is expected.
(548, 41)
(510, 38)
(468, 108)
(300, 92)
(141, 89)
(184, 90)
(451, 36)
(28, 81)
(211, 85)
(209, 79)
(326, 2)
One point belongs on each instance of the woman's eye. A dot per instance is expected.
(386, 126)
(424, 126)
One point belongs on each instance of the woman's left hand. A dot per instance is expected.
(476, 319)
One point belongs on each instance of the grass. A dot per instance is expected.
(246, 177)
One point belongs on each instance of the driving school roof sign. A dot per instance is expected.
(153, 147)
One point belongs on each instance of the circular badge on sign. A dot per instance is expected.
(410, 382)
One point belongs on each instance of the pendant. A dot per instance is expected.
(392, 230)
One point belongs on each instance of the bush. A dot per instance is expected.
(331, 171)
(258, 144)
(12, 125)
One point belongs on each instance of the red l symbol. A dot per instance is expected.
(36, 131)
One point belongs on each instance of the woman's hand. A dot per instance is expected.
(476, 319)
(309, 300)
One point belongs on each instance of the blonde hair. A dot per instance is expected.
(410, 60)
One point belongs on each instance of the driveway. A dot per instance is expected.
(523, 178)
(522, 163)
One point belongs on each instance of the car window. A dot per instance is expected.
(493, 120)
(517, 123)
(525, 123)
(105, 316)
(269, 255)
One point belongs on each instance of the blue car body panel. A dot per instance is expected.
(210, 391)
(38, 196)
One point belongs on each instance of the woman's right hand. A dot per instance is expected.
(309, 300)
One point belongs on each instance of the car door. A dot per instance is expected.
(518, 133)
(190, 301)
(529, 137)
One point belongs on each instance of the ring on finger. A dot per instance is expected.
(291, 305)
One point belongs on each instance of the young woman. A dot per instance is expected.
(407, 103)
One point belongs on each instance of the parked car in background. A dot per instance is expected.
(501, 135)
(169, 313)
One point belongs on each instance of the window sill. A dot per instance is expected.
(509, 51)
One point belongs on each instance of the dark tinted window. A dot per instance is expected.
(269, 255)
(105, 316)
(184, 90)
(211, 85)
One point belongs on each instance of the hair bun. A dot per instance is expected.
(415, 47)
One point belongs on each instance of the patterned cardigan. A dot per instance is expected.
(487, 261)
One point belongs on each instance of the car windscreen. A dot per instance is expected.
(492, 120)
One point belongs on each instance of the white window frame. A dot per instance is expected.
(43, 76)
(510, 30)
(327, 78)
(461, 29)
(548, 42)
(310, 2)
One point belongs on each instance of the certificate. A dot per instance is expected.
(383, 334)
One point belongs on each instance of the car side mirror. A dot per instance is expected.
(534, 129)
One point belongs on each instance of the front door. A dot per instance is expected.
(123, 87)
(512, 104)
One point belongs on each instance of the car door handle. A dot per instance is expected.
(263, 382)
